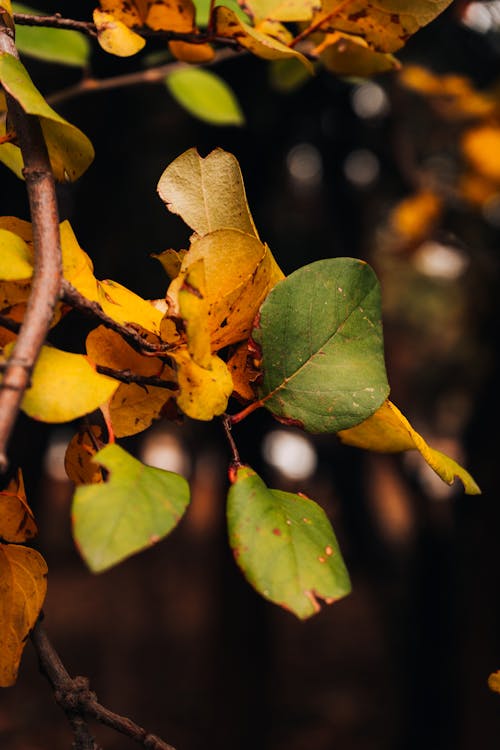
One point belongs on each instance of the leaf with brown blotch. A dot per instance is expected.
(388, 431)
(243, 372)
(203, 393)
(115, 37)
(80, 467)
(17, 523)
(23, 584)
(194, 311)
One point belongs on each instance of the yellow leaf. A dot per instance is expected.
(192, 53)
(481, 147)
(115, 37)
(171, 261)
(274, 29)
(385, 24)
(388, 431)
(453, 96)
(17, 523)
(282, 10)
(132, 407)
(228, 24)
(6, 5)
(171, 15)
(80, 467)
(207, 193)
(243, 372)
(18, 226)
(239, 273)
(348, 55)
(414, 217)
(125, 306)
(494, 682)
(23, 584)
(64, 386)
(203, 393)
(129, 12)
(193, 309)
(16, 258)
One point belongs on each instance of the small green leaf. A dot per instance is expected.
(203, 10)
(70, 151)
(53, 45)
(134, 509)
(320, 333)
(285, 545)
(205, 96)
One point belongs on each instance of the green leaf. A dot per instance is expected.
(285, 545)
(134, 509)
(205, 96)
(70, 150)
(287, 75)
(53, 45)
(203, 10)
(320, 333)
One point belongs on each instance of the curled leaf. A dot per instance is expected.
(115, 37)
(203, 392)
(388, 431)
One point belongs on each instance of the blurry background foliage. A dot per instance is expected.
(404, 171)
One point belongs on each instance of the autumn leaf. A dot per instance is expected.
(481, 148)
(70, 151)
(115, 37)
(16, 258)
(191, 53)
(262, 45)
(285, 545)
(388, 431)
(207, 193)
(23, 583)
(494, 681)
(78, 459)
(243, 372)
(17, 523)
(64, 386)
(320, 335)
(203, 392)
(132, 407)
(386, 25)
(282, 10)
(135, 508)
(349, 55)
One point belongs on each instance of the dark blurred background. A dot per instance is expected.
(175, 637)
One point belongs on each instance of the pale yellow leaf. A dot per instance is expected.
(64, 386)
(228, 24)
(115, 37)
(23, 584)
(203, 393)
(388, 431)
(17, 523)
(207, 193)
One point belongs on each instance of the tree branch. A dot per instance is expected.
(55, 22)
(74, 299)
(127, 376)
(227, 424)
(47, 270)
(79, 703)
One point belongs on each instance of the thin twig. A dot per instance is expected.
(47, 270)
(90, 85)
(127, 376)
(235, 418)
(76, 300)
(227, 424)
(55, 22)
(78, 702)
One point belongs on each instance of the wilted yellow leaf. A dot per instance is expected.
(207, 193)
(494, 682)
(23, 584)
(385, 24)
(239, 273)
(481, 147)
(115, 37)
(388, 431)
(80, 467)
(454, 96)
(203, 393)
(228, 24)
(194, 311)
(17, 523)
(243, 372)
(64, 386)
(414, 217)
(349, 55)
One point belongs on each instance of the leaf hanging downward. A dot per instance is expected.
(285, 545)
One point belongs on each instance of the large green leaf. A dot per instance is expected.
(320, 334)
(69, 149)
(205, 96)
(54, 45)
(285, 545)
(134, 509)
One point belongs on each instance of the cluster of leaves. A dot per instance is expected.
(308, 347)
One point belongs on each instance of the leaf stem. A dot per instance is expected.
(227, 424)
(235, 418)
(79, 703)
(47, 271)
